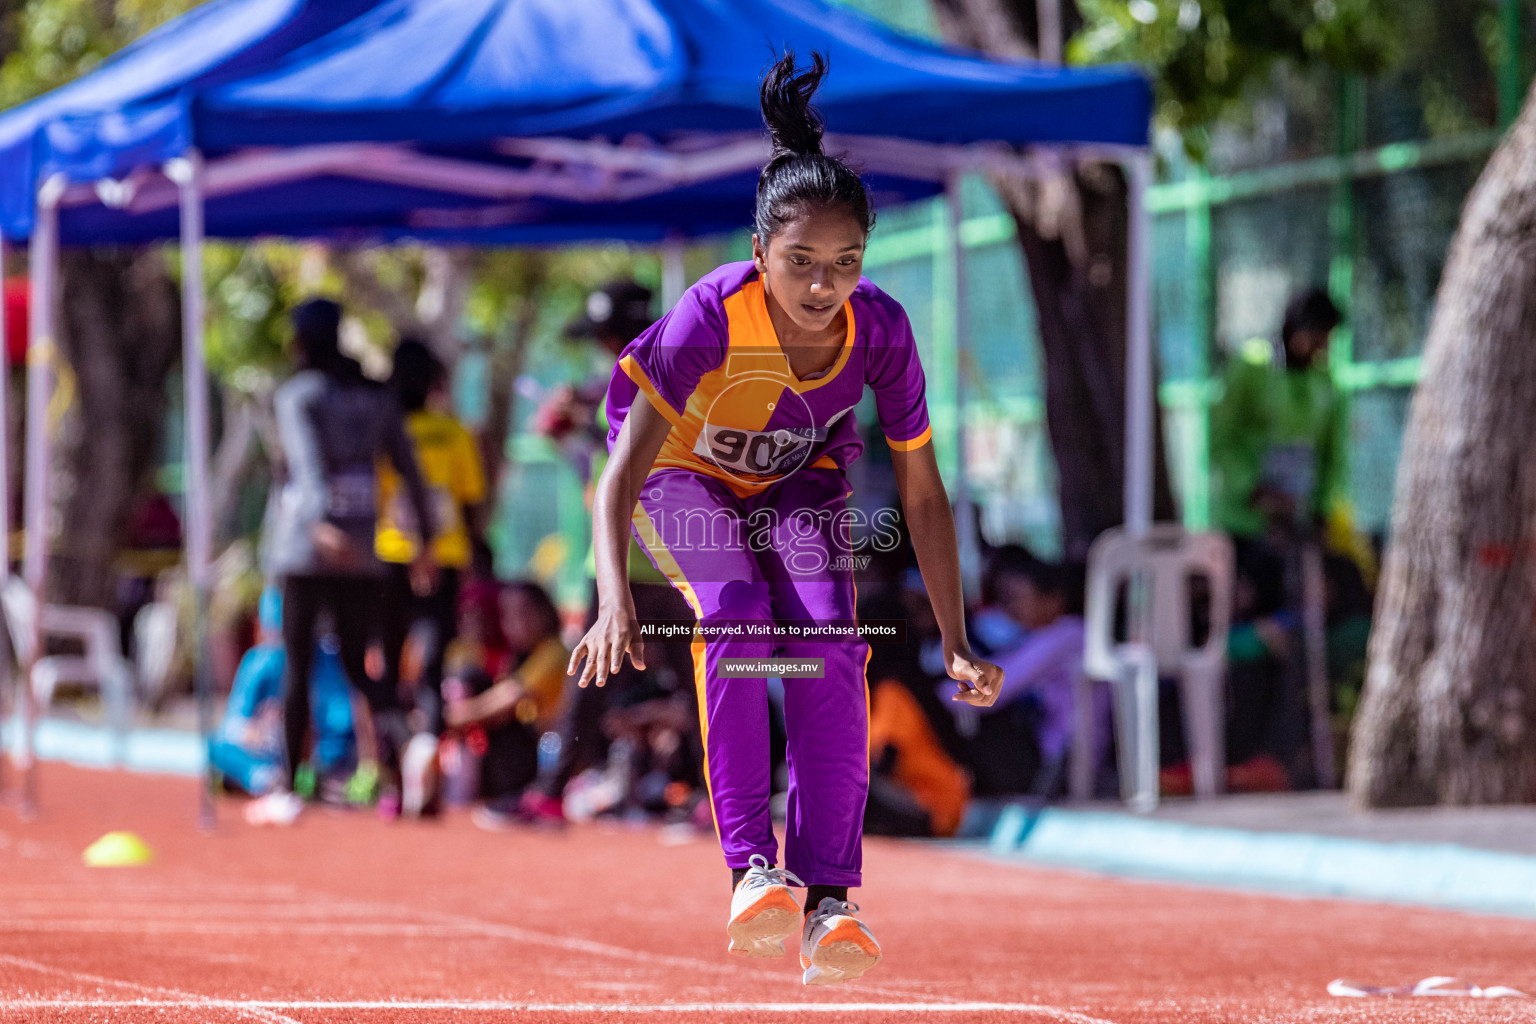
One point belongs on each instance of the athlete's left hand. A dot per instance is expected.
(980, 681)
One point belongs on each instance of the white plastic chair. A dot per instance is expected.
(1156, 570)
(101, 664)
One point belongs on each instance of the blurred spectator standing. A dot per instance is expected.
(1279, 437)
(1279, 432)
(455, 480)
(335, 426)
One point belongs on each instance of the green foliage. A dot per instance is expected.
(51, 42)
(557, 282)
(1211, 58)
(1207, 56)
(250, 290)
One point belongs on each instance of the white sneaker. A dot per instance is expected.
(278, 807)
(836, 946)
(763, 911)
(418, 774)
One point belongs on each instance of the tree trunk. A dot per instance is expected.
(1449, 710)
(120, 335)
(1072, 230)
(1080, 306)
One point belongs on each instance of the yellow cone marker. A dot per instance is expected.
(118, 850)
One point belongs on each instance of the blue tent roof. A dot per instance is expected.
(131, 110)
(452, 80)
(461, 72)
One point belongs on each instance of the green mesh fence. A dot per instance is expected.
(1404, 223)
(1264, 250)
(1228, 254)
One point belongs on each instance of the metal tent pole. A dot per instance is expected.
(674, 272)
(7, 679)
(1140, 405)
(965, 526)
(1048, 17)
(41, 352)
(1140, 399)
(187, 173)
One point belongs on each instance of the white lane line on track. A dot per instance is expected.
(185, 1000)
(185, 926)
(459, 926)
(475, 926)
(130, 910)
(503, 1006)
(460, 929)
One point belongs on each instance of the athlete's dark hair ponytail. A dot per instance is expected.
(800, 175)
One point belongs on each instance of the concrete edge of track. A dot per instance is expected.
(1425, 874)
(153, 751)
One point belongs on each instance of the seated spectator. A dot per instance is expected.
(1046, 601)
(522, 702)
(992, 629)
(247, 750)
(479, 644)
(475, 658)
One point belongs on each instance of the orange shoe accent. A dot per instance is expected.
(849, 931)
(777, 898)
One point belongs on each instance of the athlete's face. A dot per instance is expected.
(812, 265)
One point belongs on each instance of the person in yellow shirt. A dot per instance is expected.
(455, 480)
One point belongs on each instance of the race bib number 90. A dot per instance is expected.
(757, 452)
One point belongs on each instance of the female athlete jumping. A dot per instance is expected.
(730, 431)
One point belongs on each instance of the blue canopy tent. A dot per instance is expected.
(516, 122)
(501, 111)
(124, 99)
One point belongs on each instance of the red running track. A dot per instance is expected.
(341, 916)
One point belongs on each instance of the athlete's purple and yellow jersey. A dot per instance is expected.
(714, 368)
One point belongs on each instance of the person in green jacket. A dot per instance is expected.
(1279, 431)
(1279, 439)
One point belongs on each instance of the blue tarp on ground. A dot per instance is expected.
(452, 77)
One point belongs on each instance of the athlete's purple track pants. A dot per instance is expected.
(775, 556)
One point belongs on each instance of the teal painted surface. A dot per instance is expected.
(154, 751)
(1431, 874)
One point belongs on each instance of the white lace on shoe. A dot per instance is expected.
(763, 910)
(830, 907)
(761, 873)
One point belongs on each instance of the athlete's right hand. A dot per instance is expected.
(614, 634)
